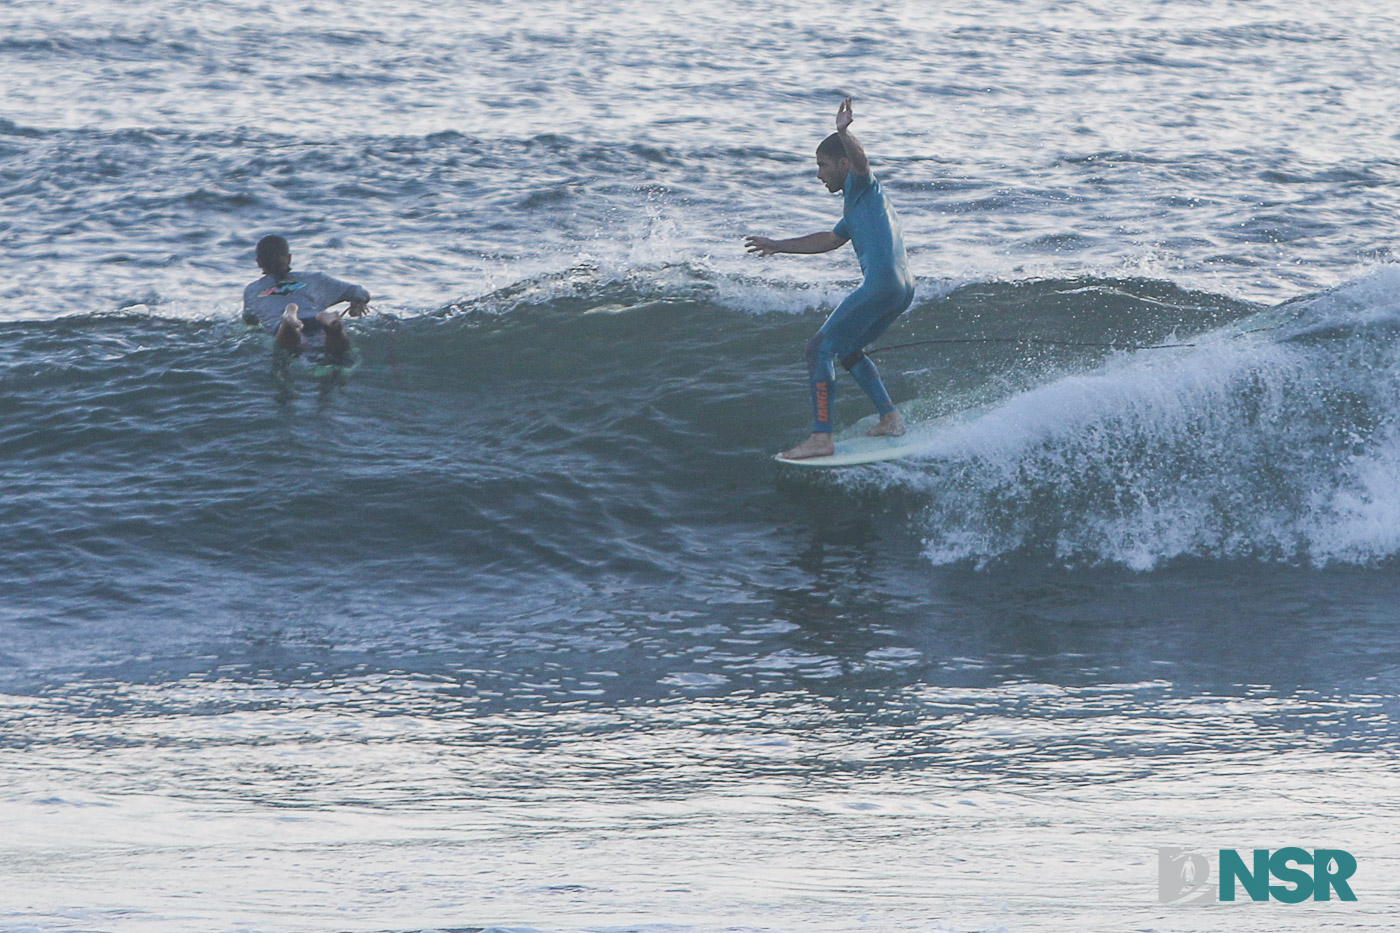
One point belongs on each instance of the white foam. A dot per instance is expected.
(1246, 445)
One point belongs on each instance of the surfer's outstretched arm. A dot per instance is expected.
(822, 242)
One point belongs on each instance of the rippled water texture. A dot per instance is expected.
(521, 628)
(1246, 148)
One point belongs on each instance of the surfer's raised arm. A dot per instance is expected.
(855, 152)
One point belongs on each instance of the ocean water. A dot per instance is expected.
(523, 629)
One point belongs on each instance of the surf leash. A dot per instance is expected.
(1031, 340)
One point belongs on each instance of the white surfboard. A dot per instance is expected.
(853, 447)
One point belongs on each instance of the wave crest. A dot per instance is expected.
(1273, 438)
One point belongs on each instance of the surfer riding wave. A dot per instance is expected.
(870, 223)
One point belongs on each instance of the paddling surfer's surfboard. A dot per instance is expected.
(340, 368)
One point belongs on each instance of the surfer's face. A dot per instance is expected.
(832, 172)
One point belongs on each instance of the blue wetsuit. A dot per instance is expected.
(872, 226)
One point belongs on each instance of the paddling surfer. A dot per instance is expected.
(869, 221)
(294, 304)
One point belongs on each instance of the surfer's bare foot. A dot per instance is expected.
(818, 445)
(891, 425)
(289, 331)
(337, 341)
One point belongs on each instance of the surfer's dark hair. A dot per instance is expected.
(270, 247)
(832, 147)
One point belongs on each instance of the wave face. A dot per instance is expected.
(1274, 438)
(578, 426)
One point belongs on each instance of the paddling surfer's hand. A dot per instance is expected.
(844, 115)
(760, 245)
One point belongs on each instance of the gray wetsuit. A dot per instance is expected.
(266, 299)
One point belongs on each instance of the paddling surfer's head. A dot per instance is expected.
(833, 165)
(274, 256)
